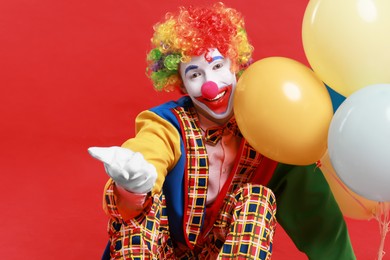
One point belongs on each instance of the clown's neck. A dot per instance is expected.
(206, 122)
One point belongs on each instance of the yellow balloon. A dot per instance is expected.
(351, 204)
(283, 110)
(347, 42)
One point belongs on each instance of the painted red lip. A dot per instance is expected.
(219, 104)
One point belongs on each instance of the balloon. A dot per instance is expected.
(347, 42)
(283, 110)
(359, 142)
(351, 204)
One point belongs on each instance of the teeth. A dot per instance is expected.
(218, 96)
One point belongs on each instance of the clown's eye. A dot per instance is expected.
(195, 75)
(218, 66)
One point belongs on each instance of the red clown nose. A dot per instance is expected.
(209, 90)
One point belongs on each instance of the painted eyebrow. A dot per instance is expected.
(191, 67)
(217, 58)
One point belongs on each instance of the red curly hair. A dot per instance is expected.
(191, 32)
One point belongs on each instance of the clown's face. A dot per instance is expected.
(210, 84)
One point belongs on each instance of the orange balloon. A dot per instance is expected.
(283, 110)
(351, 204)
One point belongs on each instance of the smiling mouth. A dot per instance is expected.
(220, 103)
(220, 95)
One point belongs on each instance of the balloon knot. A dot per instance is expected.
(318, 164)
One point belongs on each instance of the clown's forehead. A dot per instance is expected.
(213, 54)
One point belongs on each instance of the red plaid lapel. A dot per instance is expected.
(196, 174)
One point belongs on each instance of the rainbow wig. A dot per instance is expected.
(192, 32)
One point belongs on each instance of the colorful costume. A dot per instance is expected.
(175, 221)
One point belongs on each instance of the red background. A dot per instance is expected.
(72, 75)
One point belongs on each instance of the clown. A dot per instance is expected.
(188, 185)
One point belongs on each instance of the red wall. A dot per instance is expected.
(72, 76)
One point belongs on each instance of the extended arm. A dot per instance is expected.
(139, 166)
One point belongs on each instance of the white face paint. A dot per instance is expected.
(215, 98)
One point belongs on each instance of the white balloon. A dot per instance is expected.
(359, 142)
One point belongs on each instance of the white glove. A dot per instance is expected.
(127, 168)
